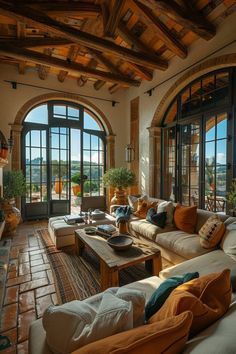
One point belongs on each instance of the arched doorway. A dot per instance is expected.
(63, 146)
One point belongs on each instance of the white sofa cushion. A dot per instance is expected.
(228, 242)
(146, 229)
(169, 208)
(211, 262)
(79, 323)
(186, 245)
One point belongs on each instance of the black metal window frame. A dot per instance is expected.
(59, 122)
(201, 115)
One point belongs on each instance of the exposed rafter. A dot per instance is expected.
(72, 54)
(114, 18)
(191, 19)
(83, 79)
(98, 84)
(39, 58)
(37, 42)
(81, 8)
(162, 31)
(40, 20)
(43, 70)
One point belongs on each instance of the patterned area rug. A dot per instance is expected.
(78, 277)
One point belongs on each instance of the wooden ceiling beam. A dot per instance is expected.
(75, 68)
(192, 20)
(37, 42)
(142, 72)
(104, 61)
(114, 18)
(162, 31)
(20, 33)
(83, 8)
(113, 88)
(40, 20)
(83, 79)
(43, 70)
(72, 55)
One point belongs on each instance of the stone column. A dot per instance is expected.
(154, 161)
(110, 162)
(16, 150)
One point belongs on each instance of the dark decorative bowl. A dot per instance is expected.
(120, 242)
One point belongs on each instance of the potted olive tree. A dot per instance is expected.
(13, 187)
(120, 179)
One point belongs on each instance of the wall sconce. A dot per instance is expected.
(129, 153)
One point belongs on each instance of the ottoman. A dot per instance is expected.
(62, 234)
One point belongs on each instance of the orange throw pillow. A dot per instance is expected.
(207, 297)
(211, 232)
(142, 208)
(165, 336)
(185, 218)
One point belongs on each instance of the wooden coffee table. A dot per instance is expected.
(112, 261)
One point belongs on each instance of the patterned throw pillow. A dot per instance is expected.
(211, 232)
(133, 200)
(158, 219)
(142, 209)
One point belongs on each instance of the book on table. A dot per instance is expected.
(107, 230)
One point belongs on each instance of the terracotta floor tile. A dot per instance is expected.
(40, 267)
(36, 262)
(35, 256)
(54, 299)
(42, 303)
(19, 280)
(39, 275)
(24, 268)
(13, 265)
(37, 251)
(9, 317)
(24, 257)
(26, 301)
(22, 348)
(45, 290)
(11, 295)
(28, 249)
(50, 276)
(12, 335)
(24, 321)
(33, 284)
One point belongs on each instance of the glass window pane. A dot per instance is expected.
(222, 126)
(208, 87)
(86, 156)
(35, 174)
(90, 122)
(55, 140)
(44, 156)
(94, 142)
(86, 142)
(221, 94)
(35, 155)
(63, 142)
(35, 138)
(210, 129)
(64, 156)
(59, 111)
(221, 152)
(27, 139)
(185, 102)
(43, 138)
(55, 156)
(38, 115)
(73, 113)
(210, 153)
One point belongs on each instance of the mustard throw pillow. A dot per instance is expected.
(166, 336)
(143, 207)
(185, 218)
(211, 232)
(208, 298)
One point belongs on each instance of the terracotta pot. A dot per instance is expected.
(119, 197)
(12, 217)
(58, 186)
(3, 152)
(76, 189)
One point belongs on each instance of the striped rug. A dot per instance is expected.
(78, 277)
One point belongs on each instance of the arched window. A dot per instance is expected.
(63, 159)
(197, 143)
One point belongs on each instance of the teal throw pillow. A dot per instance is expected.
(161, 294)
(158, 219)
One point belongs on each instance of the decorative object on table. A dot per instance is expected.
(231, 198)
(122, 218)
(90, 230)
(76, 180)
(97, 214)
(73, 219)
(13, 186)
(106, 230)
(120, 242)
(120, 179)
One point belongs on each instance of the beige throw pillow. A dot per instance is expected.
(134, 199)
(75, 324)
(169, 208)
(211, 232)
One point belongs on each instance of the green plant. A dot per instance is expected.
(119, 178)
(76, 178)
(13, 184)
(231, 196)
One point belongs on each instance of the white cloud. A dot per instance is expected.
(221, 158)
